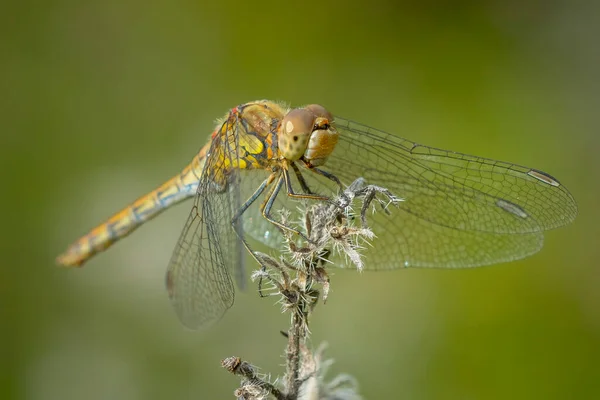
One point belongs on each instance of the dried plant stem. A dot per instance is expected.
(327, 230)
(295, 337)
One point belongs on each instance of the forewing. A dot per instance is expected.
(457, 210)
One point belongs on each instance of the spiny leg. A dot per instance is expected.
(240, 212)
(272, 196)
(291, 193)
(268, 205)
(333, 178)
(329, 176)
(310, 195)
(265, 209)
(251, 200)
(301, 179)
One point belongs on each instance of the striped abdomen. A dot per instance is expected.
(176, 189)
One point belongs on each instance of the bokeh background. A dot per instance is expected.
(103, 100)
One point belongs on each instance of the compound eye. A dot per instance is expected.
(320, 112)
(296, 127)
(298, 122)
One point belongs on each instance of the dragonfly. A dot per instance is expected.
(457, 210)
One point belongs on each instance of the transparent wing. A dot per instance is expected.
(458, 210)
(453, 189)
(198, 278)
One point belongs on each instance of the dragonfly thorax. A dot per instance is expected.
(307, 133)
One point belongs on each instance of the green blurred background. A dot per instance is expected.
(102, 101)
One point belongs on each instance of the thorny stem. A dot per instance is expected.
(293, 357)
(328, 229)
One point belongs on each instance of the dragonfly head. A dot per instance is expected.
(307, 133)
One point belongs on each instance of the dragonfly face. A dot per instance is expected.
(309, 134)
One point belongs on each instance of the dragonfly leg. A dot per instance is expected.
(301, 179)
(329, 176)
(268, 205)
(333, 178)
(265, 210)
(290, 189)
(239, 233)
(251, 200)
(240, 212)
